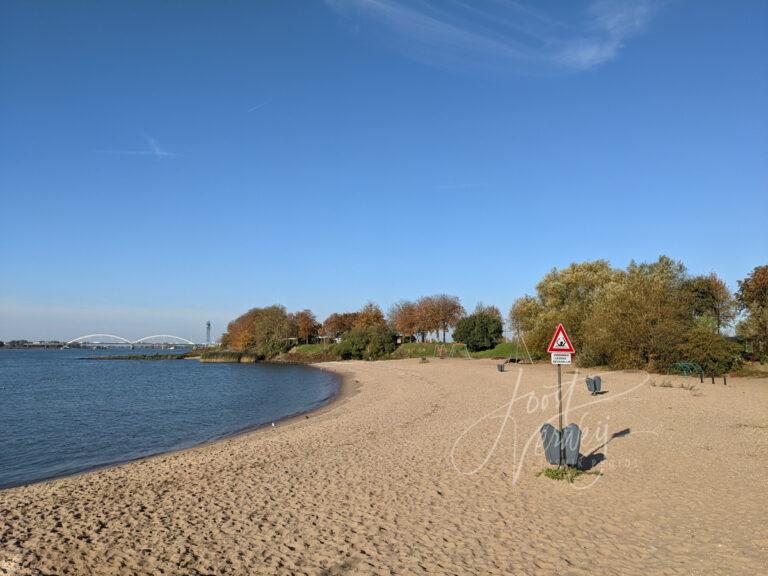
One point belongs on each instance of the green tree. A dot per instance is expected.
(481, 330)
(564, 296)
(367, 343)
(639, 319)
(752, 297)
(709, 297)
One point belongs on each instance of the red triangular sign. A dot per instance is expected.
(560, 341)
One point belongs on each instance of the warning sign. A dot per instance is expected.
(560, 342)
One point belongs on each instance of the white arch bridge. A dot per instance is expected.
(155, 339)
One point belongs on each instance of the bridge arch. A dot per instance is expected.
(163, 336)
(79, 338)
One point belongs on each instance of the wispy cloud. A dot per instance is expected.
(458, 186)
(503, 33)
(153, 149)
(257, 107)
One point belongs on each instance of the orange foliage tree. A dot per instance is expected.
(307, 326)
(338, 323)
(370, 316)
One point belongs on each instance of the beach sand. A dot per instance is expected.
(423, 469)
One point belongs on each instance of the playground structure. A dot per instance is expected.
(691, 368)
(515, 356)
(442, 351)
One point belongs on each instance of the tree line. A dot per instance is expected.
(649, 315)
(365, 333)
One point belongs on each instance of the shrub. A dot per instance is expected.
(481, 330)
(714, 353)
(369, 343)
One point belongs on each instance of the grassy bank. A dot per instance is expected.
(430, 349)
(502, 350)
(234, 357)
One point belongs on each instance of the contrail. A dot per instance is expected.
(153, 146)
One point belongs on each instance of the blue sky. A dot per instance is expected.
(166, 163)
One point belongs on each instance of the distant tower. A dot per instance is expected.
(208, 333)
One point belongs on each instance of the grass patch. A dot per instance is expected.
(222, 356)
(751, 370)
(502, 350)
(419, 350)
(310, 348)
(566, 473)
(427, 350)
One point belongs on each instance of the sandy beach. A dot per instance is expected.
(429, 469)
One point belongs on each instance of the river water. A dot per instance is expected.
(61, 414)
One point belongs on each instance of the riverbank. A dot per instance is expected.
(403, 472)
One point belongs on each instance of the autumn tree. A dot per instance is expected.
(370, 316)
(404, 318)
(239, 333)
(307, 327)
(261, 331)
(427, 320)
(338, 323)
(752, 298)
(446, 312)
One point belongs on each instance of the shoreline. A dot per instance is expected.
(411, 469)
(344, 391)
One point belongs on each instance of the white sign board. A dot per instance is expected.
(561, 358)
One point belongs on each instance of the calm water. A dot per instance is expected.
(60, 415)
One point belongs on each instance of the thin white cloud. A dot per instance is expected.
(153, 149)
(458, 186)
(257, 107)
(498, 33)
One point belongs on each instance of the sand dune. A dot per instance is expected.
(423, 469)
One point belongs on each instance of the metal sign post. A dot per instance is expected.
(560, 410)
(561, 349)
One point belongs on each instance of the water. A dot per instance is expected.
(61, 415)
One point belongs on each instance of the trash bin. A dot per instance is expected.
(500, 367)
(550, 438)
(572, 441)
